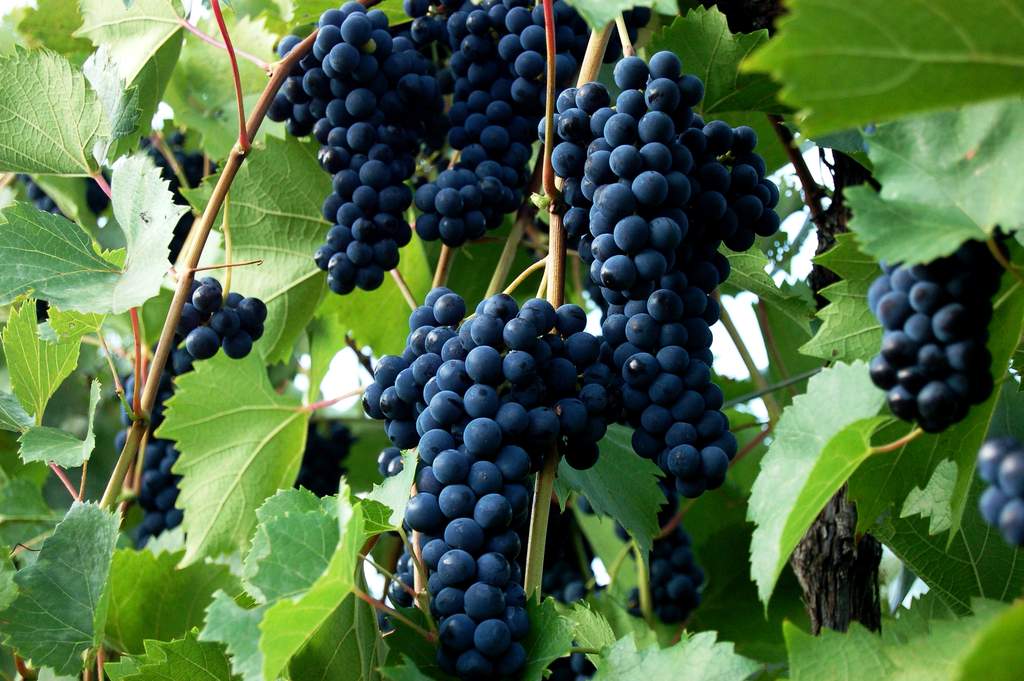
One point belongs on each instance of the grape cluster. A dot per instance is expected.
(652, 193)
(483, 402)
(211, 321)
(323, 460)
(934, 363)
(674, 578)
(498, 62)
(158, 486)
(193, 165)
(1001, 465)
(95, 198)
(370, 100)
(529, 377)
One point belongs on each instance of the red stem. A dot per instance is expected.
(140, 377)
(243, 137)
(102, 182)
(64, 479)
(323, 404)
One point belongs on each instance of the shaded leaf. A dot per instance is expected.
(345, 646)
(895, 58)
(61, 607)
(393, 493)
(550, 638)
(45, 444)
(24, 514)
(933, 502)
(239, 630)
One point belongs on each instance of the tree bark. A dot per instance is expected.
(837, 570)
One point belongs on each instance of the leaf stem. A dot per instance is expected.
(228, 266)
(101, 182)
(243, 134)
(444, 266)
(323, 404)
(225, 228)
(627, 45)
(140, 377)
(403, 287)
(391, 612)
(616, 565)
(896, 444)
(67, 482)
(525, 274)
(82, 479)
(772, 388)
(545, 482)
(812, 193)
(755, 374)
(993, 247)
(200, 231)
(209, 39)
(157, 140)
(388, 574)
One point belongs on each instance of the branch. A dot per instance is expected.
(67, 483)
(157, 140)
(379, 605)
(539, 523)
(993, 247)
(812, 193)
(323, 404)
(772, 388)
(201, 231)
(363, 359)
(896, 444)
(140, 378)
(404, 288)
(643, 585)
(101, 182)
(627, 45)
(525, 274)
(243, 134)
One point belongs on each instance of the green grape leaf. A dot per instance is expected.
(120, 104)
(813, 453)
(308, 11)
(406, 671)
(710, 51)
(326, 335)
(344, 647)
(50, 24)
(68, 324)
(150, 598)
(696, 658)
(50, 119)
(274, 215)
(24, 514)
(294, 541)
(71, 196)
(620, 485)
(42, 443)
(201, 89)
(184, 659)
(849, 331)
(597, 13)
(946, 178)
(36, 367)
(379, 319)
(12, 415)
(973, 561)
(995, 653)
(53, 258)
(590, 628)
(910, 648)
(748, 274)
(8, 588)
(135, 32)
(884, 482)
(550, 638)
(240, 442)
(239, 630)
(393, 492)
(289, 625)
(895, 59)
(61, 607)
(934, 501)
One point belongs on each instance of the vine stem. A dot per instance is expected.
(243, 134)
(323, 404)
(225, 228)
(555, 279)
(390, 612)
(228, 266)
(209, 39)
(643, 585)
(410, 299)
(388, 574)
(444, 266)
(896, 444)
(772, 388)
(539, 525)
(525, 274)
(627, 45)
(993, 247)
(157, 140)
(748, 361)
(66, 482)
(813, 193)
(364, 360)
(82, 479)
(279, 71)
